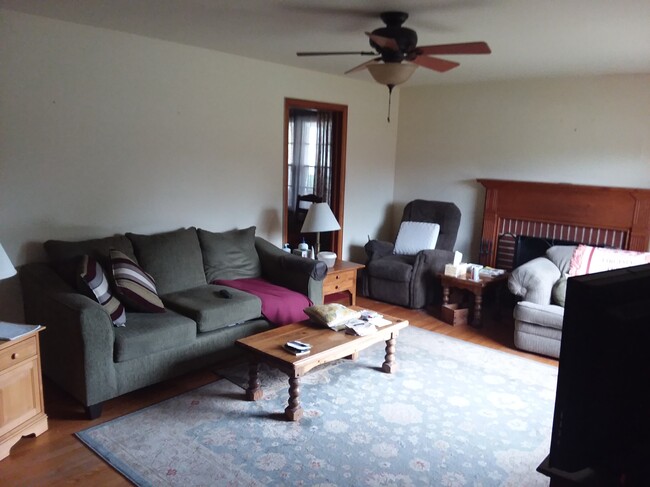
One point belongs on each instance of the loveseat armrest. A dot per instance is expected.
(77, 344)
(291, 271)
(375, 249)
(534, 280)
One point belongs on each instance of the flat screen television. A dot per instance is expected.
(602, 406)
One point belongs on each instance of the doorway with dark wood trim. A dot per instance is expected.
(317, 132)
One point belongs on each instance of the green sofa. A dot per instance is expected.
(86, 355)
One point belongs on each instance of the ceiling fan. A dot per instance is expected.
(398, 55)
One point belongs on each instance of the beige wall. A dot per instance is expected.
(103, 132)
(580, 130)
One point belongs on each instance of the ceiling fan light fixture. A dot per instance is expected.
(392, 74)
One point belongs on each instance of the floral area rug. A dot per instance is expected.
(453, 414)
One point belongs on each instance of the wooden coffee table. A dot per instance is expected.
(327, 346)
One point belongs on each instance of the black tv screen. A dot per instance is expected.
(602, 407)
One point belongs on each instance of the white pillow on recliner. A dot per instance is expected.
(415, 236)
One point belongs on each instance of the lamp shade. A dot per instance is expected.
(392, 74)
(320, 219)
(6, 267)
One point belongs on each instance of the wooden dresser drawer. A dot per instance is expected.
(17, 353)
(338, 282)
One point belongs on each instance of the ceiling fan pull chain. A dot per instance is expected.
(390, 93)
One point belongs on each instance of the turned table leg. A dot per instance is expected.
(254, 391)
(389, 366)
(478, 300)
(293, 411)
(445, 295)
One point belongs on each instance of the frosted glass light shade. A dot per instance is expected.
(392, 74)
(320, 219)
(6, 267)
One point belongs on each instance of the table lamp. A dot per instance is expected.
(6, 267)
(319, 219)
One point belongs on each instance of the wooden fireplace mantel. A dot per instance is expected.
(621, 215)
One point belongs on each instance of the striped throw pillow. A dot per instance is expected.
(93, 283)
(135, 287)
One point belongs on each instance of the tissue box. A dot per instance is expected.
(459, 270)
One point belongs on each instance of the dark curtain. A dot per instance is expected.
(323, 169)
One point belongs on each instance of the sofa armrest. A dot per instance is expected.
(77, 343)
(534, 280)
(376, 249)
(291, 271)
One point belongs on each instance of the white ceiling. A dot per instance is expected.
(529, 38)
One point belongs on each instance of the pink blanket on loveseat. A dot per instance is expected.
(280, 305)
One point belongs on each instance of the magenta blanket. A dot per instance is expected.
(280, 305)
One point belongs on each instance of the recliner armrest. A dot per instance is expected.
(435, 259)
(534, 280)
(378, 248)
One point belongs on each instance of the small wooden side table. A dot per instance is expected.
(342, 277)
(21, 391)
(475, 287)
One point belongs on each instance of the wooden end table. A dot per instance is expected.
(21, 391)
(327, 346)
(475, 287)
(342, 277)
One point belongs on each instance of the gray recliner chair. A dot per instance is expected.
(410, 280)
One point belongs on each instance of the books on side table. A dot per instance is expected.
(491, 272)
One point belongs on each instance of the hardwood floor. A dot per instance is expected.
(58, 458)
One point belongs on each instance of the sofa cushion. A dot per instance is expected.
(558, 293)
(211, 312)
(65, 256)
(149, 333)
(229, 255)
(94, 284)
(280, 305)
(172, 258)
(549, 315)
(561, 255)
(133, 285)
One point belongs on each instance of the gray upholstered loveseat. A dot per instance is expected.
(541, 283)
(85, 354)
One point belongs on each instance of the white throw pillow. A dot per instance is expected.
(415, 236)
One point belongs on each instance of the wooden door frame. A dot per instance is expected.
(338, 180)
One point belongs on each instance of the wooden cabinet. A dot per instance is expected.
(342, 277)
(21, 391)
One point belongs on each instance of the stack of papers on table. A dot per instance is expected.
(12, 331)
(360, 328)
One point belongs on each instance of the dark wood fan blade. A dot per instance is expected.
(383, 42)
(337, 53)
(462, 48)
(437, 64)
(363, 65)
